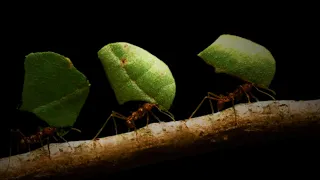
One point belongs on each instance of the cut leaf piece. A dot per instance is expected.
(137, 75)
(242, 58)
(53, 89)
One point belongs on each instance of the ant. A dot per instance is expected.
(235, 95)
(145, 109)
(44, 133)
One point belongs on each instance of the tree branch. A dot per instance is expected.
(160, 141)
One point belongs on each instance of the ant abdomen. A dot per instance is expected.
(220, 105)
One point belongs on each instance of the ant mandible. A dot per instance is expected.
(145, 109)
(235, 95)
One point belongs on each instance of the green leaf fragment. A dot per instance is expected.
(137, 75)
(53, 88)
(242, 58)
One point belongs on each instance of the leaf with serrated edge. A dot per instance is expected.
(53, 88)
(242, 58)
(137, 75)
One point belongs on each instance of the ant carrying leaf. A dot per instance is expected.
(241, 58)
(39, 137)
(43, 134)
(144, 110)
(231, 97)
(137, 75)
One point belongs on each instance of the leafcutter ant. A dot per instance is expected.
(42, 134)
(231, 97)
(144, 110)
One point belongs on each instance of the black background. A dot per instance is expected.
(176, 41)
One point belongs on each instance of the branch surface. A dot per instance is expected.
(161, 141)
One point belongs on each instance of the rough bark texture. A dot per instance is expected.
(160, 141)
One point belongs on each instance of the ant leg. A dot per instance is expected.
(95, 137)
(265, 92)
(48, 144)
(216, 98)
(113, 114)
(115, 125)
(120, 116)
(154, 116)
(234, 110)
(10, 150)
(135, 129)
(254, 97)
(41, 143)
(214, 95)
(25, 142)
(272, 91)
(148, 118)
(55, 138)
(248, 97)
(63, 140)
(206, 97)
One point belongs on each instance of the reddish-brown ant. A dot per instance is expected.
(42, 134)
(235, 95)
(145, 109)
(46, 132)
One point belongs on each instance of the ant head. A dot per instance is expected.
(247, 86)
(49, 130)
(149, 106)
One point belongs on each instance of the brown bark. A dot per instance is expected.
(161, 141)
